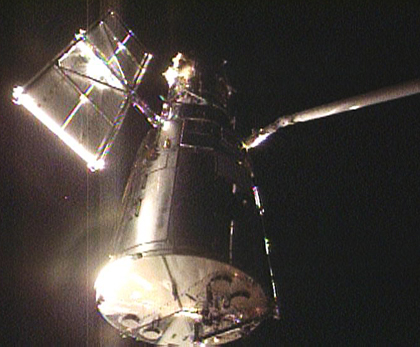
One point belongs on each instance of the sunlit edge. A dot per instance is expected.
(21, 98)
(109, 274)
(144, 69)
(259, 139)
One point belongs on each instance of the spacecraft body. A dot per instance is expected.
(189, 264)
(191, 260)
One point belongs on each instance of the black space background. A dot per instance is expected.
(340, 193)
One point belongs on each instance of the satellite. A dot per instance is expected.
(191, 260)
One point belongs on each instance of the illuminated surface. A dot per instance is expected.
(82, 96)
(179, 77)
(256, 141)
(30, 104)
(182, 273)
(179, 300)
(181, 69)
(257, 199)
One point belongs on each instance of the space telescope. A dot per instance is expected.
(189, 264)
(191, 259)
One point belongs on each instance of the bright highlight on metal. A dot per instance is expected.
(20, 98)
(259, 138)
(179, 77)
(95, 68)
(258, 200)
(82, 96)
(170, 300)
(181, 69)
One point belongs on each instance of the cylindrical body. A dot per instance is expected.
(190, 264)
(189, 182)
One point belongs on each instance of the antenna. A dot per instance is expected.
(350, 104)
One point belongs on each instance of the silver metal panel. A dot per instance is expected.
(148, 197)
(179, 299)
(189, 230)
(190, 266)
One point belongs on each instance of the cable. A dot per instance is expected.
(87, 219)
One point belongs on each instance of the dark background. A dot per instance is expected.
(340, 194)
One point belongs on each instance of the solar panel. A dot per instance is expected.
(83, 95)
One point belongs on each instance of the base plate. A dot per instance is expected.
(179, 300)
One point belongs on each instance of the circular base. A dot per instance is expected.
(179, 300)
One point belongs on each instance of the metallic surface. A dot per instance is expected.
(190, 265)
(179, 299)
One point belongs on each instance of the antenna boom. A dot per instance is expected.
(349, 104)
